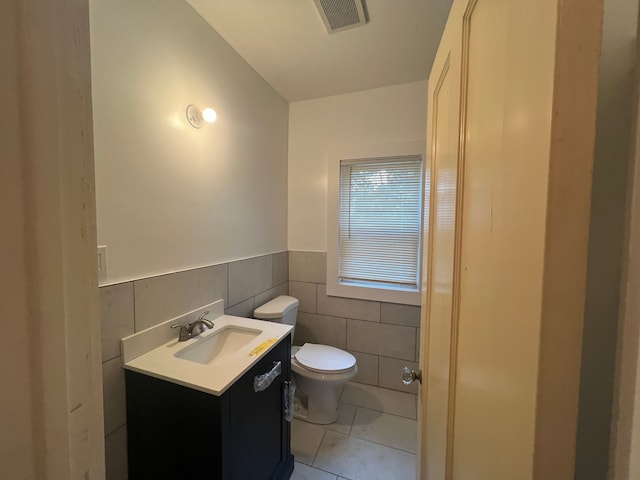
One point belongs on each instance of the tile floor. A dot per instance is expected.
(374, 438)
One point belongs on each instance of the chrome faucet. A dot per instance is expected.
(193, 329)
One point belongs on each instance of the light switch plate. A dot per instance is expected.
(102, 263)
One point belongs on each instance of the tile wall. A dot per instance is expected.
(382, 336)
(133, 306)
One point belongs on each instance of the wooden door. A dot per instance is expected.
(444, 103)
(511, 130)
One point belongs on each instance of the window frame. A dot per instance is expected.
(379, 293)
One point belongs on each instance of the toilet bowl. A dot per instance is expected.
(319, 371)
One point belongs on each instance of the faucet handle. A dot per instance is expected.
(184, 331)
(193, 329)
(200, 322)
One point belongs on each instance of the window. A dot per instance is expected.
(379, 229)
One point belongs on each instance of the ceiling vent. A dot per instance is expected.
(338, 15)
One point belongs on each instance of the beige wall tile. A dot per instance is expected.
(280, 268)
(381, 339)
(398, 314)
(249, 277)
(367, 368)
(213, 284)
(115, 410)
(116, 316)
(242, 309)
(264, 297)
(321, 329)
(158, 299)
(346, 307)
(116, 454)
(308, 267)
(390, 375)
(306, 293)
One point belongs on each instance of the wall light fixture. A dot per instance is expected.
(196, 117)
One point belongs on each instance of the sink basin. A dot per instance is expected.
(211, 362)
(225, 341)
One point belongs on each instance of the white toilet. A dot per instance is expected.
(319, 371)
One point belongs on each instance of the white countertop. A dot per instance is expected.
(150, 353)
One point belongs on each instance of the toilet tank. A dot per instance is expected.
(282, 309)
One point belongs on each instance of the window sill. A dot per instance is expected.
(387, 295)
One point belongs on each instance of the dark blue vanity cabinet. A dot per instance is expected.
(175, 432)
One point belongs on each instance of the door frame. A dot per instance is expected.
(50, 253)
(572, 124)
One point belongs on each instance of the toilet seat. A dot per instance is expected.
(323, 358)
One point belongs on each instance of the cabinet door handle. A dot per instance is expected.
(262, 382)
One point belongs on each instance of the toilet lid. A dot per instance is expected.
(323, 358)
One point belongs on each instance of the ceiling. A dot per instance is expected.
(286, 42)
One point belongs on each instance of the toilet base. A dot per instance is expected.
(321, 407)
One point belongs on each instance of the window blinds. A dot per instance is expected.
(380, 222)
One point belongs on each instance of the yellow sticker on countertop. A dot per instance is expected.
(262, 347)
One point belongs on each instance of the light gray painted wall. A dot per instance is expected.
(625, 431)
(361, 124)
(171, 197)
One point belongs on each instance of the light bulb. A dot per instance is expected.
(209, 115)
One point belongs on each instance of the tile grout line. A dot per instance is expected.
(323, 470)
(387, 413)
(382, 388)
(366, 441)
(383, 445)
(315, 455)
(370, 441)
(381, 411)
(346, 334)
(135, 327)
(353, 420)
(385, 356)
(414, 398)
(227, 299)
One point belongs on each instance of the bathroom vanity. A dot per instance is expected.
(184, 422)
